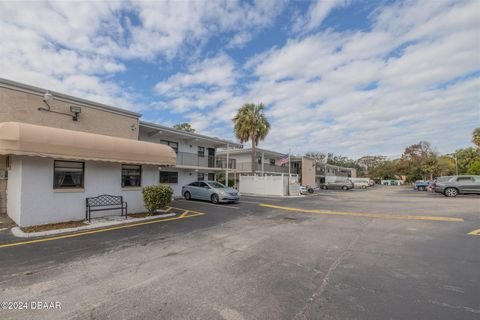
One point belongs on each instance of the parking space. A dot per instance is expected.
(360, 254)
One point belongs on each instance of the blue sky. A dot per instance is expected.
(342, 76)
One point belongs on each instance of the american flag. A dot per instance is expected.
(282, 161)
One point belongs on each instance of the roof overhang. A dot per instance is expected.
(166, 132)
(33, 140)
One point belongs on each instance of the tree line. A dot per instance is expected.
(418, 162)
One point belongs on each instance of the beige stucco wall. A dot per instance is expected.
(308, 172)
(22, 106)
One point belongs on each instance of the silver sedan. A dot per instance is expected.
(210, 190)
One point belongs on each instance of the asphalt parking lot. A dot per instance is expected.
(384, 253)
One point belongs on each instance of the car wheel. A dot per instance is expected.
(421, 188)
(364, 187)
(214, 198)
(451, 192)
(310, 190)
(324, 188)
(344, 188)
(187, 195)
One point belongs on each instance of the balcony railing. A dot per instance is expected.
(247, 166)
(194, 160)
(222, 163)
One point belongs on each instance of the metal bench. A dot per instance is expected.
(104, 202)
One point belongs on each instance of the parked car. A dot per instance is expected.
(343, 184)
(421, 185)
(360, 182)
(432, 185)
(210, 190)
(458, 185)
(306, 189)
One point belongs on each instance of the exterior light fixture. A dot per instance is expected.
(48, 96)
(76, 111)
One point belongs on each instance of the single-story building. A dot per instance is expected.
(51, 171)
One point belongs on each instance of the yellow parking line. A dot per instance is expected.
(367, 215)
(475, 232)
(184, 213)
(193, 214)
(2, 229)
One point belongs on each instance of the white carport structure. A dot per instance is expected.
(32, 151)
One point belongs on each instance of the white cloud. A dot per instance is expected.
(47, 43)
(418, 59)
(316, 87)
(317, 12)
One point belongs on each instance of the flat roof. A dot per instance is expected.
(13, 84)
(186, 134)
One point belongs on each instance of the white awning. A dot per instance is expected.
(33, 140)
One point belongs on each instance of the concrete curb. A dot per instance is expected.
(17, 232)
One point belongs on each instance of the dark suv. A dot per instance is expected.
(458, 185)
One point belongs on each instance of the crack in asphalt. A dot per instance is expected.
(317, 295)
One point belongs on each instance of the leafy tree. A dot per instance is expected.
(417, 161)
(184, 127)
(430, 166)
(474, 168)
(342, 161)
(476, 137)
(385, 170)
(466, 157)
(446, 166)
(369, 163)
(318, 157)
(250, 123)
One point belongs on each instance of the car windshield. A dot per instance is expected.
(216, 185)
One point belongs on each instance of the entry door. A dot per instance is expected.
(211, 177)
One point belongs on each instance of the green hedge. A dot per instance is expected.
(156, 197)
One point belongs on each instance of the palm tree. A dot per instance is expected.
(251, 124)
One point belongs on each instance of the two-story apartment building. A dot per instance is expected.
(325, 172)
(240, 162)
(56, 150)
(196, 154)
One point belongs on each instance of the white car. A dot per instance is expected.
(305, 190)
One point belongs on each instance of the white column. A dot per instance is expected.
(263, 160)
(226, 171)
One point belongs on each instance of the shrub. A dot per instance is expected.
(156, 197)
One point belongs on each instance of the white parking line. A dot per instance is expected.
(225, 206)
